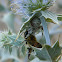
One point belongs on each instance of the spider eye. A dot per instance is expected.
(25, 34)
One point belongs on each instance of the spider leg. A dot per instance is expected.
(29, 52)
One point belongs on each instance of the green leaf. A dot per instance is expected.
(48, 53)
(45, 30)
(18, 52)
(49, 20)
(37, 60)
(23, 49)
(55, 51)
(10, 49)
(59, 17)
(43, 54)
(18, 42)
(40, 38)
(32, 57)
(9, 32)
(50, 15)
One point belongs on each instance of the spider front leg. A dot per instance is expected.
(29, 51)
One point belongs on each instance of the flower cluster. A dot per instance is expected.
(27, 7)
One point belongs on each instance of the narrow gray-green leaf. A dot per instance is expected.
(43, 54)
(23, 49)
(10, 49)
(48, 14)
(45, 30)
